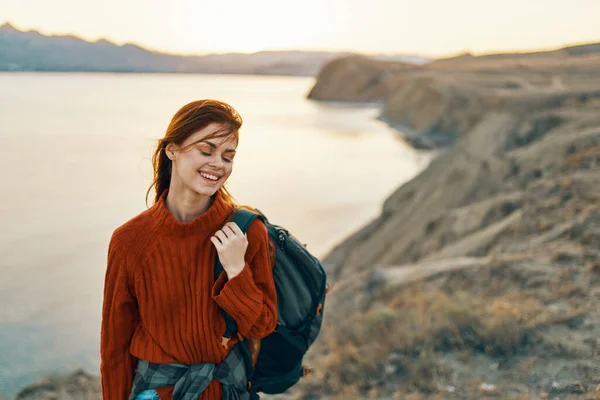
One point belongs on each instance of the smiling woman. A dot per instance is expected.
(160, 274)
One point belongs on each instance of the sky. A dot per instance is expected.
(420, 27)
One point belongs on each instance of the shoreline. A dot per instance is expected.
(416, 140)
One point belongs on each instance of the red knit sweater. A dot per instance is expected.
(160, 300)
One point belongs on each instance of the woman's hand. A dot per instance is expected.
(231, 244)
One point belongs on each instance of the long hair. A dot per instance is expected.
(189, 119)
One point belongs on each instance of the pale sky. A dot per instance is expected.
(423, 27)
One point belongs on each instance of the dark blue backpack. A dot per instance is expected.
(301, 284)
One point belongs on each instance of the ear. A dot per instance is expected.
(170, 151)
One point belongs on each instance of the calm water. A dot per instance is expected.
(75, 158)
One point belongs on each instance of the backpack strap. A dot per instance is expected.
(243, 218)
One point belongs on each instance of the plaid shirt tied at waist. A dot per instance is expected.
(190, 381)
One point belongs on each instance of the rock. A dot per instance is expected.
(79, 385)
(390, 369)
(487, 387)
(358, 79)
(432, 112)
(448, 389)
(568, 387)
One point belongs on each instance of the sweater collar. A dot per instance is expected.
(208, 222)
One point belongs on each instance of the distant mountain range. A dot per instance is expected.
(33, 51)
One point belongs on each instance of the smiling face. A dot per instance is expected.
(202, 163)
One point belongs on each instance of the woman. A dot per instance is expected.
(162, 306)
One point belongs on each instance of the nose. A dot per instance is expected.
(216, 162)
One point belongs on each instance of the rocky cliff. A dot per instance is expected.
(431, 104)
(481, 276)
(356, 78)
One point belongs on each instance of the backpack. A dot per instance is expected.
(301, 285)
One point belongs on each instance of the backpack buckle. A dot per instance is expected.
(281, 234)
(225, 342)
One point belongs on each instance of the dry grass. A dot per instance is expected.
(400, 340)
(578, 158)
(594, 267)
(597, 393)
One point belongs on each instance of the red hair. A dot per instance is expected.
(189, 119)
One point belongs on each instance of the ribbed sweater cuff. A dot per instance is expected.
(239, 296)
(118, 379)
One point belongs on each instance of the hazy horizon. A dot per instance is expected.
(431, 29)
(163, 51)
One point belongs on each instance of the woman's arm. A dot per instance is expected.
(120, 316)
(250, 297)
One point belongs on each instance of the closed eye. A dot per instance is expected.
(227, 160)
